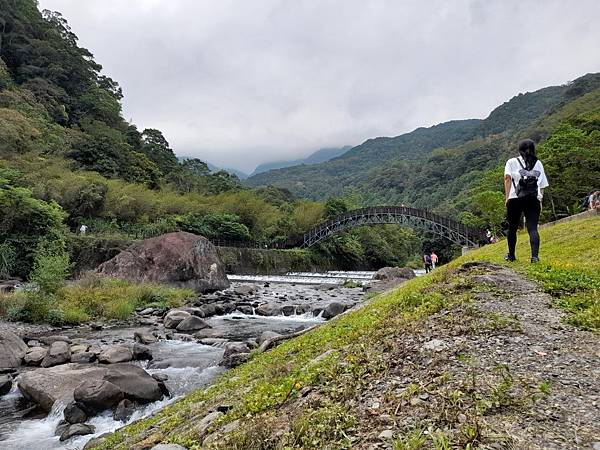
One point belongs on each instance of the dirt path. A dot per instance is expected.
(500, 371)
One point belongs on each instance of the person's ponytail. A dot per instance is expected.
(527, 152)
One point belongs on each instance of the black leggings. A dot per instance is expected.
(515, 208)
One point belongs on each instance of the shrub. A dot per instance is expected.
(51, 266)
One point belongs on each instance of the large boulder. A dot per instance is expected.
(58, 353)
(269, 309)
(115, 354)
(394, 273)
(333, 309)
(175, 317)
(179, 259)
(35, 356)
(192, 323)
(46, 386)
(12, 350)
(97, 395)
(136, 384)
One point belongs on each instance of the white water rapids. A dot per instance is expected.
(191, 364)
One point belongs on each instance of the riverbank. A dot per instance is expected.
(458, 357)
(227, 325)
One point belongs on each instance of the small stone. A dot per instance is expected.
(160, 376)
(144, 337)
(386, 434)
(74, 413)
(436, 345)
(141, 352)
(83, 358)
(124, 410)
(168, 447)
(79, 429)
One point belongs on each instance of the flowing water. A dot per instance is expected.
(188, 364)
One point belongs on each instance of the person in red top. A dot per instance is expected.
(434, 259)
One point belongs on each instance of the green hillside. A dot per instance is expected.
(317, 391)
(437, 167)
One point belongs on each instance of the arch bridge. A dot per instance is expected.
(450, 229)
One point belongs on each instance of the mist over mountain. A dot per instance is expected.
(322, 155)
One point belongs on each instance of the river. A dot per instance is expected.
(188, 364)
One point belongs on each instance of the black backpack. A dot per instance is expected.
(528, 184)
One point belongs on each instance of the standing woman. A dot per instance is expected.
(524, 184)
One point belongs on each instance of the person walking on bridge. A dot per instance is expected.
(524, 184)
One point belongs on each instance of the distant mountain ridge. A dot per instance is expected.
(429, 167)
(322, 155)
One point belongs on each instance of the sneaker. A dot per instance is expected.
(510, 258)
(534, 259)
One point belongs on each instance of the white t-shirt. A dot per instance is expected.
(513, 168)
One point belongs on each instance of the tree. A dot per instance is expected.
(24, 222)
(156, 147)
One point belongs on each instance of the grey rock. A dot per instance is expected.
(235, 347)
(144, 337)
(79, 348)
(58, 353)
(269, 309)
(160, 377)
(386, 434)
(245, 289)
(180, 259)
(5, 384)
(436, 345)
(204, 424)
(49, 340)
(62, 426)
(245, 309)
(46, 386)
(175, 317)
(141, 352)
(124, 410)
(97, 395)
(115, 355)
(214, 342)
(12, 350)
(35, 356)
(135, 383)
(83, 358)
(333, 309)
(234, 360)
(192, 323)
(394, 273)
(168, 447)
(289, 310)
(79, 429)
(74, 413)
(267, 335)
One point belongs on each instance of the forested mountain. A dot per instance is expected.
(433, 167)
(322, 155)
(67, 158)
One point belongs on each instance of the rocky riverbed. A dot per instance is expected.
(62, 387)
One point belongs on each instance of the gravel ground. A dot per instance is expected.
(502, 371)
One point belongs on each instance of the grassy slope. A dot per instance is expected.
(337, 357)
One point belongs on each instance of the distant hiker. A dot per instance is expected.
(83, 229)
(594, 200)
(524, 184)
(434, 259)
(427, 261)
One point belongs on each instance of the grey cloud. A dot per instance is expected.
(243, 82)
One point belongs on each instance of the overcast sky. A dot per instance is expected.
(240, 82)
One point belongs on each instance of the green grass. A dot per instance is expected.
(91, 298)
(339, 355)
(569, 269)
